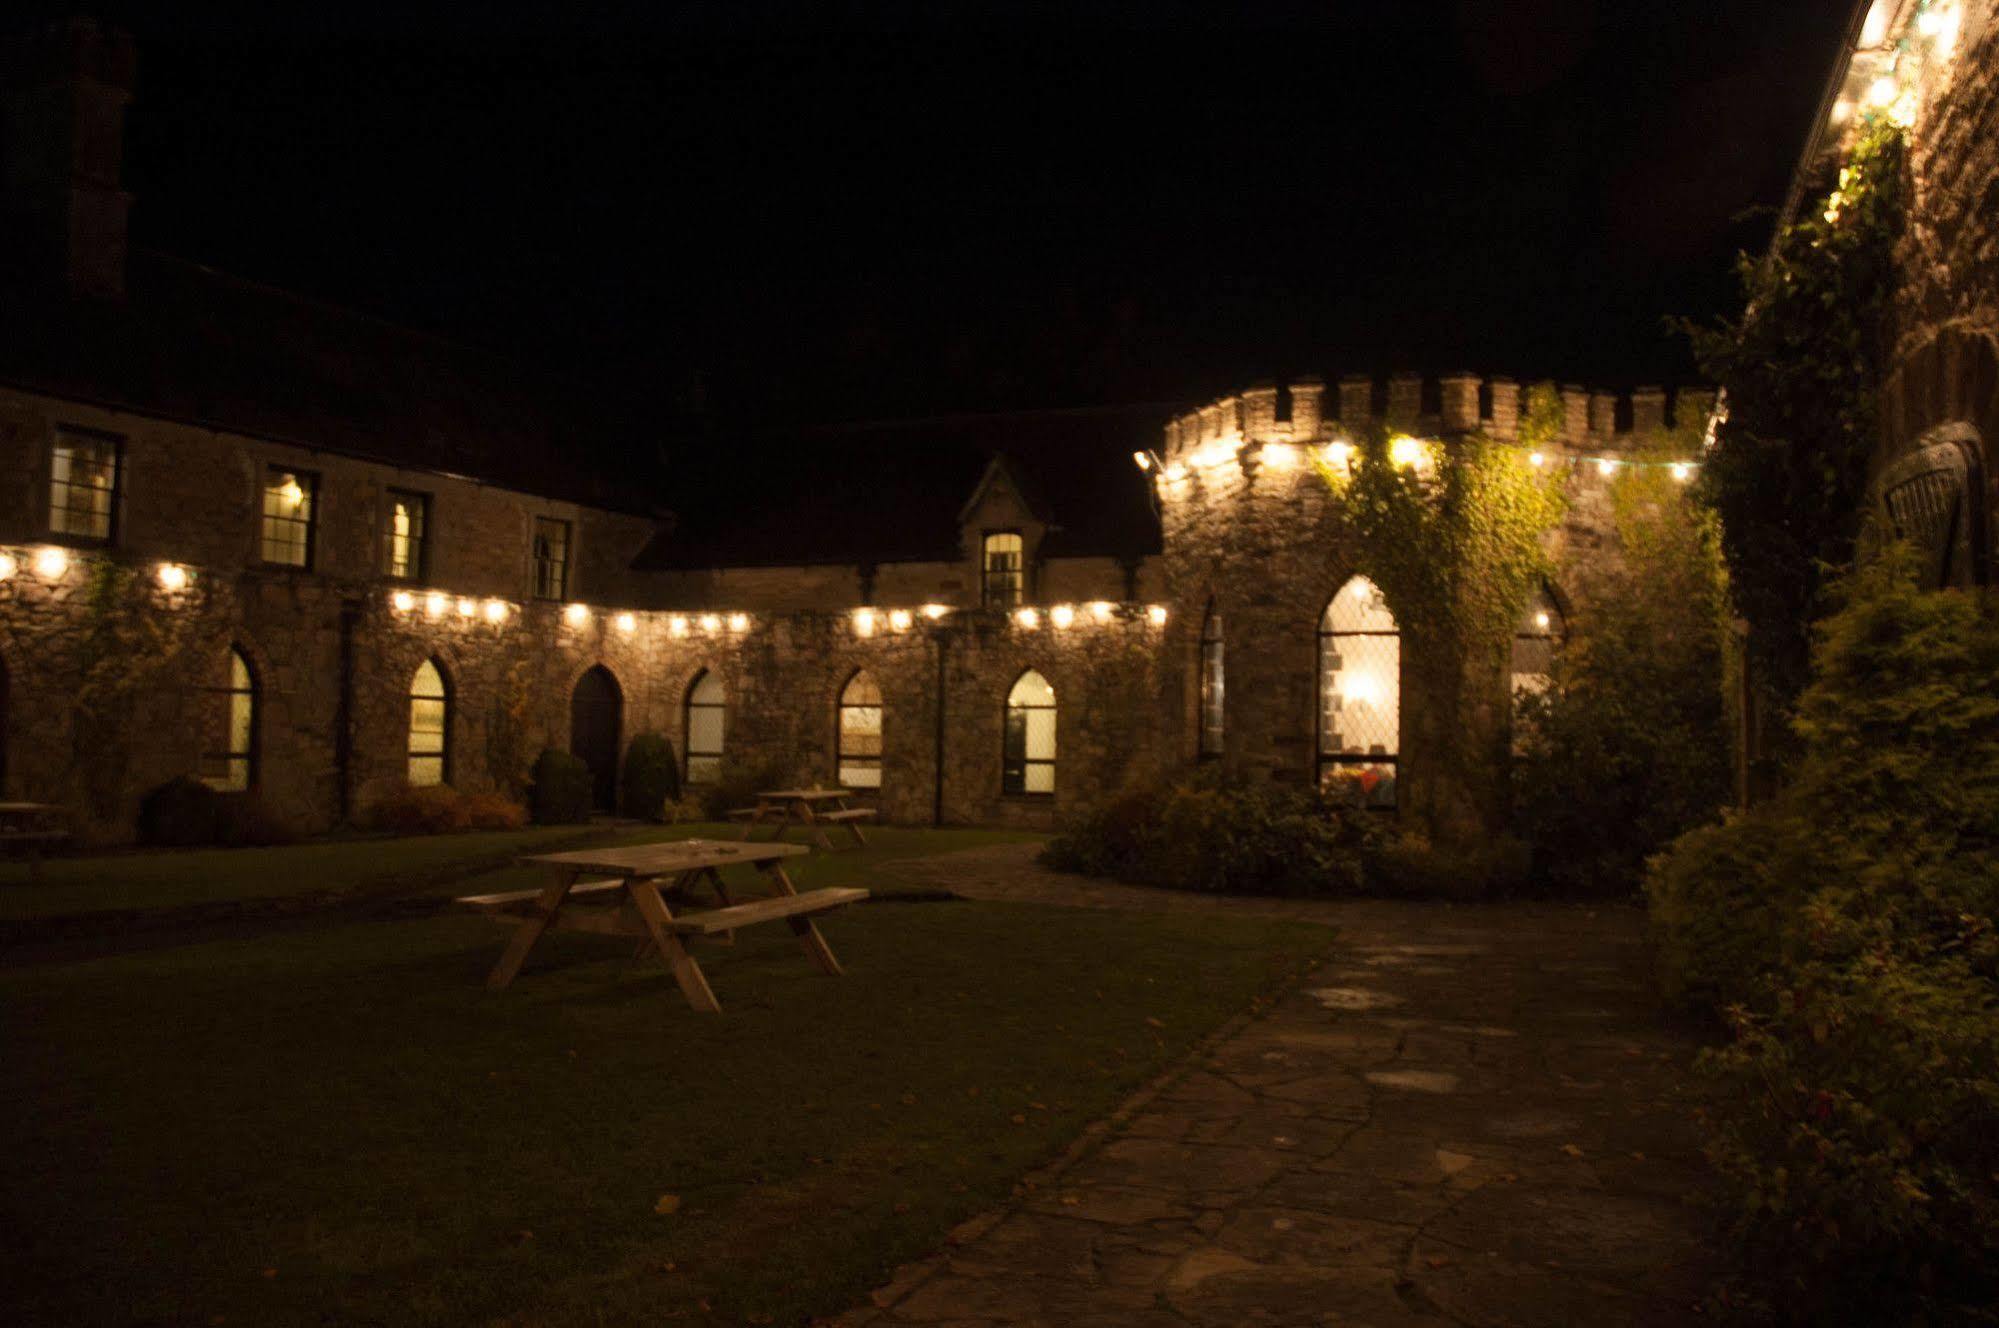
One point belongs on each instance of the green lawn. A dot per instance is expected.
(167, 878)
(342, 1126)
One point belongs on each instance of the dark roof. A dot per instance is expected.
(892, 491)
(191, 344)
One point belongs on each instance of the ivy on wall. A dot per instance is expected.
(1788, 475)
(125, 652)
(1456, 544)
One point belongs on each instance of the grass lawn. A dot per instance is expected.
(341, 1126)
(169, 877)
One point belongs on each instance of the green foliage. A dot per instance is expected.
(1845, 930)
(652, 777)
(739, 788)
(126, 653)
(561, 790)
(1629, 745)
(1219, 835)
(1800, 369)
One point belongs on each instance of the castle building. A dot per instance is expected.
(311, 558)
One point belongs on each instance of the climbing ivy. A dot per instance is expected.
(125, 653)
(1456, 545)
(1789, 472)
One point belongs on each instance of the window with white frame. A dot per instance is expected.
(1028, 764)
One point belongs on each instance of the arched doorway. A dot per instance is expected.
(596, 716)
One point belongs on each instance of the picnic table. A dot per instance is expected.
(33, 827)
(812, 809)
(630, 895)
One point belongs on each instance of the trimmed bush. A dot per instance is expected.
(433, 809)
(1215, 835)
(493, 811)
(1845, 933)
(247, 821)
(739, 788)
(562, 790)
(652, 777)
(181, 813)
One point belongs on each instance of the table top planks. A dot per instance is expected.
(804, 795)
(680, 855)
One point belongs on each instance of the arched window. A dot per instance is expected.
(229, 726)
(1360, 693)
(859, 757)
(430, 726)
(1212, 709)
(1535, 639)
(1028, 764)
(707, 712)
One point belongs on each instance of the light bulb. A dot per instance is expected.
(1101, 610)
(496, 610)
(1683, 471)
(627, 622)
(576, 615)
(1605, 465)
(51, 563)
(433, 604)
(1536, 460)
(1541, 620)
(1157, 615)
(8, 566)
(403, 600)
(1142, 459)
(1027, 618)
(935, 611)
(710, 623)
(172, 576)
(864, 622)
(899, 620)
(1062, 615)
(466, 608)
(677, 625)
(739, 622)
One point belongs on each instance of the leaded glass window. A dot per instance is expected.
(1360, 695)
(707, 718)
(83, 486)
(1028, 765)
(229, 727)
(1212, 709)
(860, 743)
(430, 726)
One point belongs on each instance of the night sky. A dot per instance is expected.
(820, 212)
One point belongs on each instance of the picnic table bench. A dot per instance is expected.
(32, 828)
(812, 809)
(635, 883)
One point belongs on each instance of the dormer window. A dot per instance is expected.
(1003, 569)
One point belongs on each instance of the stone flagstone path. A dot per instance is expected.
(1469, 1115)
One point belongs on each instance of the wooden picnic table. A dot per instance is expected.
(638, 881)
(812, 809)
(33, 827)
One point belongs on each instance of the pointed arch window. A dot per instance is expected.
(430, 726)
(1360, 694)
(1213, 711)
(229, 726)
(860, 744)
(1028, 765)
(705, 719)
(1536, 638)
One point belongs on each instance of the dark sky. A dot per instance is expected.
(847, 211)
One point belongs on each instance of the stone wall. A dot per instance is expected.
(1944, 330)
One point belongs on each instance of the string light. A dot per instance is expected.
(627, 623)
(1062, 615)
(899, 620)
(1280, 456)
(739, 622)
(172, 577)
(433, 605)
(864, 622)
(403, 600)
(1100, 609)
(1142, 459)
(1683, 471)
(710, 623)
(1605, 465)
(1027, 618)
(7, 566)
(935, 611)
(676, 626)
(51, 563)
(496, 611)
(576, 615)
(1157, 615)
(1536, 460)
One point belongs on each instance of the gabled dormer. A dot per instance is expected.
(1000, 530)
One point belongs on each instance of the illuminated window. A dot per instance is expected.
(83, 486)
(1004, 569)
(229, 726)
(860, 745)
(291, 506)
(405, 552)
(706, 718)
(551, 558)
(1029, 761)
(1360, 695)
(430, 726)
(1535, 639)
(1211, 685)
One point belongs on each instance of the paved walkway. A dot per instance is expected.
(1468, 1116)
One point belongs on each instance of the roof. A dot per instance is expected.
(191, 344)
(892, 491)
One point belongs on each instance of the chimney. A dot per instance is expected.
(67, 84)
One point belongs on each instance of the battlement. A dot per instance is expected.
(1303, 411)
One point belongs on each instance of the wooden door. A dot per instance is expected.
(596, 716)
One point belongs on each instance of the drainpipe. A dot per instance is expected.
(937, 792)
(343, 714)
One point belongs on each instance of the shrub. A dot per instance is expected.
(561, 792)
(1217, 835)
(247, 821)
(180, 813)
(1629, 744)
(493, 811)
(739, 788)
(652, 777)
(432, 809)
(1847, 929)
(1408, 866)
